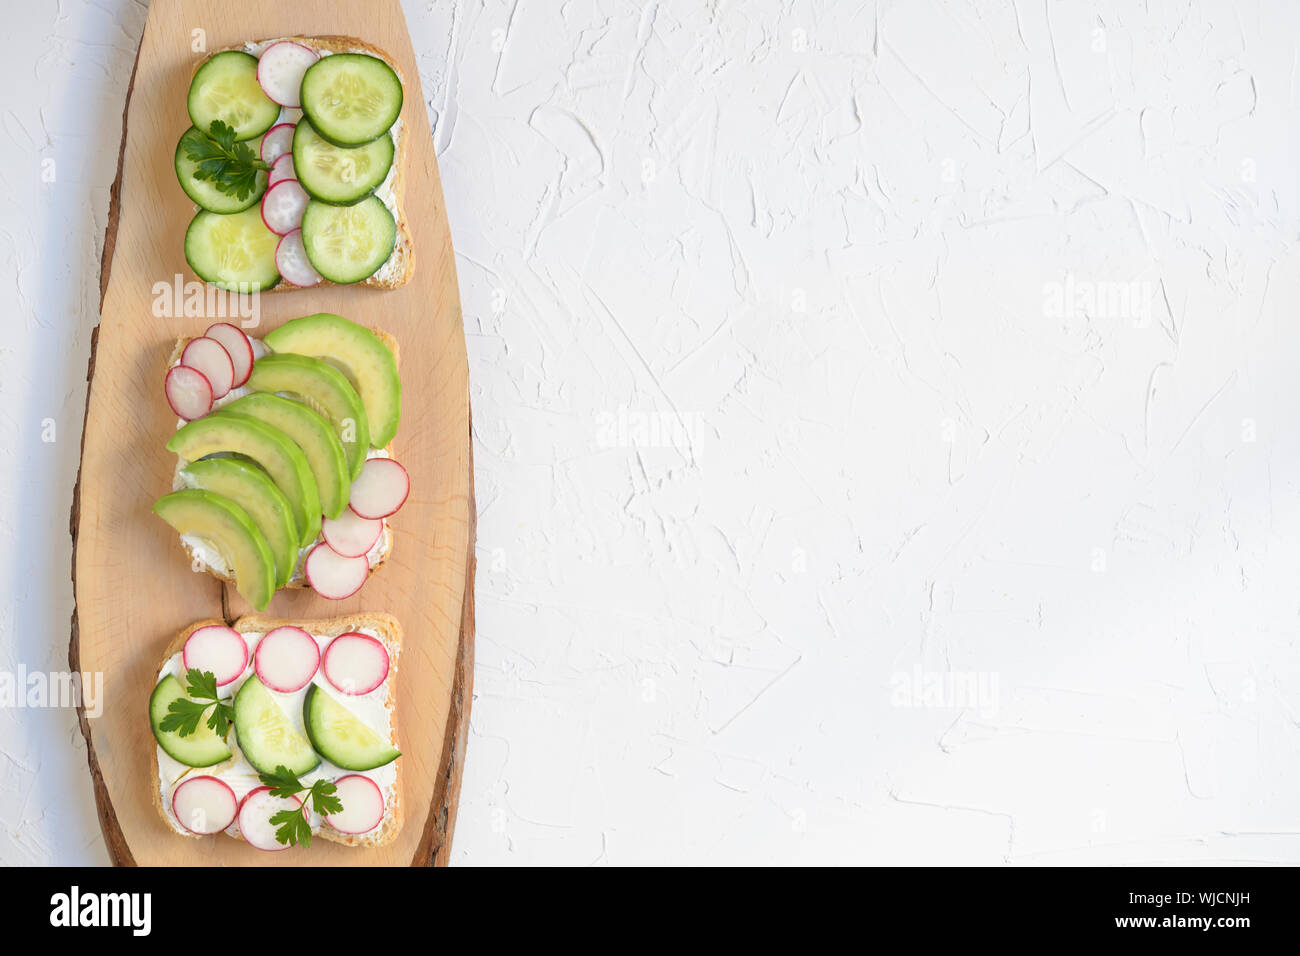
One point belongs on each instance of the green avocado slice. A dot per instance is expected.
(231, 531)
(326, 390)
(276, 452)
(368, 363)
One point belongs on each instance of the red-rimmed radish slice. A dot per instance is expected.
(286, 659)
(355, 664)
(211, 358)
(281, 170)
(283, 205)
(291, 260)
(350, 534)
(363, 805)
(280, 70)
(204, 805)
(333, 576)
(188, 392)
(276, 142)
(217, 649)
(380, 489)
(237, 346)
(255, 812)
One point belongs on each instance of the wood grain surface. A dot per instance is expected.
(133, 587)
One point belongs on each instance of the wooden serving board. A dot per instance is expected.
(133, 585)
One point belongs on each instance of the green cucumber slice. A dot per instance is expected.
(339, 174)
(266, 735)
(340, 736)
(348, 243)
(203, 192)
(225, 88)
(234, 252)
(351, 98)
(203, 748)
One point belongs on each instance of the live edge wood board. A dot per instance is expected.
(133, 586)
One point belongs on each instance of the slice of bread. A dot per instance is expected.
(300, 582)
(400, 266)
(390, 633)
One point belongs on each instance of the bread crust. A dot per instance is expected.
(300, 583)
(388, 627)
(404, 249)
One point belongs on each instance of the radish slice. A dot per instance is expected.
(204, 805)
(333, 576)
(211, 358)
(286, 659)
(237, 346)
(380, 489)
(283, 205)
(217, 649)
(291, 261)
(280, 70)
(363, 805)
(281, 170)
(255, 812)
(355, 664)
(350, 534)
(188, 392)
(276, 142)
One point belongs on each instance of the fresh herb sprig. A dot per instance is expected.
(184, 713)
(229, 166)
(291, 825)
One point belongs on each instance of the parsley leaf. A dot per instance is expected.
(184, 713)
(291, 828)
(231, 167)
(291, 825)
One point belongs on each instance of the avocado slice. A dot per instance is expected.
(269, 447)
(363, 357)
(313, 434)
(257, 494)
(231, 531)
(325, 389)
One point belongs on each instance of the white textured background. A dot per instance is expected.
(827, 359)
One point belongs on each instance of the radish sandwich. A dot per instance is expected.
(309, 712)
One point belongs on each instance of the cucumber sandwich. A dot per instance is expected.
(275, 731)
(294, 159)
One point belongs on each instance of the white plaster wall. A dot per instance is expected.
(885, 423)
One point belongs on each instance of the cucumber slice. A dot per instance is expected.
(351, 98)
(266, 735)
(225, 88)
(202, 191)
(348, 243)
(235, 252)
(340, 737)
(203, 748)
(339, 174)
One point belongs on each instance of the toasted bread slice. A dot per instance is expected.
(390, 633)
(301, 581)
(400, 266)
